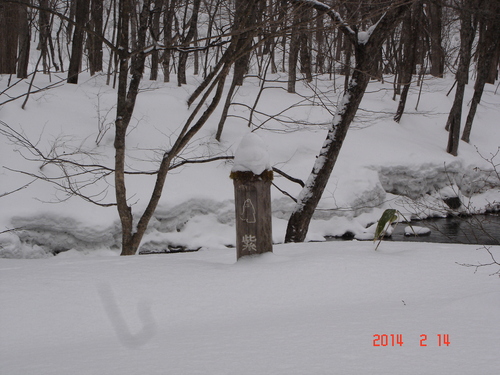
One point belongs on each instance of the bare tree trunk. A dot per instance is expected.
(435, 16)
(113, 56)
(495, 65)
(489, 44)
(168, 40)
(409, 38)
(125, 106)
(95, 41)
(293, 55)
(82, 10)
(305, 52)
(454, 120)
(196, 54)
(225, 110)
(212, 11)
(398, 62)
(183, 56)
(44, 25)
(123, 115)
(244, 27)
(271, 36)
(320, 44)
(133, 25)
(155, 35)
(9, 32)
(308, 199)
(72, 12)
(347, 66)
(24, 41)
(467, 33)
(51, 46)
(244, 30)
(282, 15)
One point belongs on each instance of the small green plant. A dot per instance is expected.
(388, 217)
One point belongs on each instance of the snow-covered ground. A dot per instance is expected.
(311, 308)
(304, 309)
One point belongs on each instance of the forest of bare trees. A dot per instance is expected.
(222, 41)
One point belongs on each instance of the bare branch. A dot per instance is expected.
(493, 262)
(288, 177)
(334, 15)
(199, 161)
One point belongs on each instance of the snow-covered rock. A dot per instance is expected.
(419, 231)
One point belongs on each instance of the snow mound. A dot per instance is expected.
(415, 181)
(251, 155)
(201, 231)
(11, 247)
(62, 233)
(174, 218)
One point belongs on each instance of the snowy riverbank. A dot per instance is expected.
(380, 164)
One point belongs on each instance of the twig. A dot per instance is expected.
(494, 262)
(284, 192)
(18, 189)
(454, 83)
(31, 82)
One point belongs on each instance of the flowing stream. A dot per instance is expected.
(476, 229)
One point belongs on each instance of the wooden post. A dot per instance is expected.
(253, 212)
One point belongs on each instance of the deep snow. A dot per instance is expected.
(304, 309)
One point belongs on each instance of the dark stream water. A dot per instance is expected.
(477, 230)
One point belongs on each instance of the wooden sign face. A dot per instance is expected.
(253, 217)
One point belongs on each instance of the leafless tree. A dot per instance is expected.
(188, 33)
(9, 36)
(366, 49)
(488, 46)
(82, 12)
(468, 24)
(209, 92)
(95, 39)
(409, 38)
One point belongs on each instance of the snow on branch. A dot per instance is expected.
(156, 46)
(334, 15)
(364, 36)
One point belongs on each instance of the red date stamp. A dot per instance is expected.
(397, 340)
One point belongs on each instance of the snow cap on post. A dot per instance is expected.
(252, 155)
